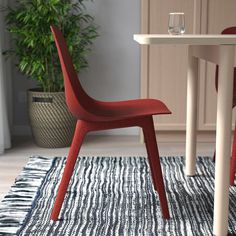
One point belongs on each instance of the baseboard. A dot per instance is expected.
(24, 130)
(180, 136)
(162, 136)
(125, 131)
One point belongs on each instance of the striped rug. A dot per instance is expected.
(112, 196)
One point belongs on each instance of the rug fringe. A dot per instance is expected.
(18, 202)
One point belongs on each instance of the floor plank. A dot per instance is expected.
(13, 160)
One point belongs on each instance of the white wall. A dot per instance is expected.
(113, 73)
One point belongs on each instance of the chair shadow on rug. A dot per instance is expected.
(93, 115)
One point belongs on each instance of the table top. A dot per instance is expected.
(189, 39)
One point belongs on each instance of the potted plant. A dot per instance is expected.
(29, 23)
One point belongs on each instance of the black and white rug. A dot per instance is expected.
(112, 196)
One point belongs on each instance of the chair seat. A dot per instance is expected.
(234, 102)
(111, 111)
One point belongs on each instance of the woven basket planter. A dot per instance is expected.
(51, 123)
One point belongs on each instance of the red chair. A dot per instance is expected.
(97, 115)
(231, 30)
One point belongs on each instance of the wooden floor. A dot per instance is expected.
(13, 160)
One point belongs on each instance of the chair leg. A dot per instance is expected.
(214, 157)
(155, 165)
(233, 160)
(80, 132)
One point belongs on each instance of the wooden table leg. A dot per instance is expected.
(223, 140)
(191, 133)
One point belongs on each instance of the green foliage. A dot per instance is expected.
(29, 22)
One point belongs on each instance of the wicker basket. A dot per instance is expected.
(51, 123)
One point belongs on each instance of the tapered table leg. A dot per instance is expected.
(223, 140)
(191, 133)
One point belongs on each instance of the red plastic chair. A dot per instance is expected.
(230, 30)
(95, 115)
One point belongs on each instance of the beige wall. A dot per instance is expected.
(164, 67)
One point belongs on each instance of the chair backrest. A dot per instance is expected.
(78, 102)
(230, 30)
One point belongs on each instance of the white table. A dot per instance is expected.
(218, 49)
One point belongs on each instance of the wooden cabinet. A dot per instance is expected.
(164, 67)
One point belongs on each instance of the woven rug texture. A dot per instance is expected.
(112, 196)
